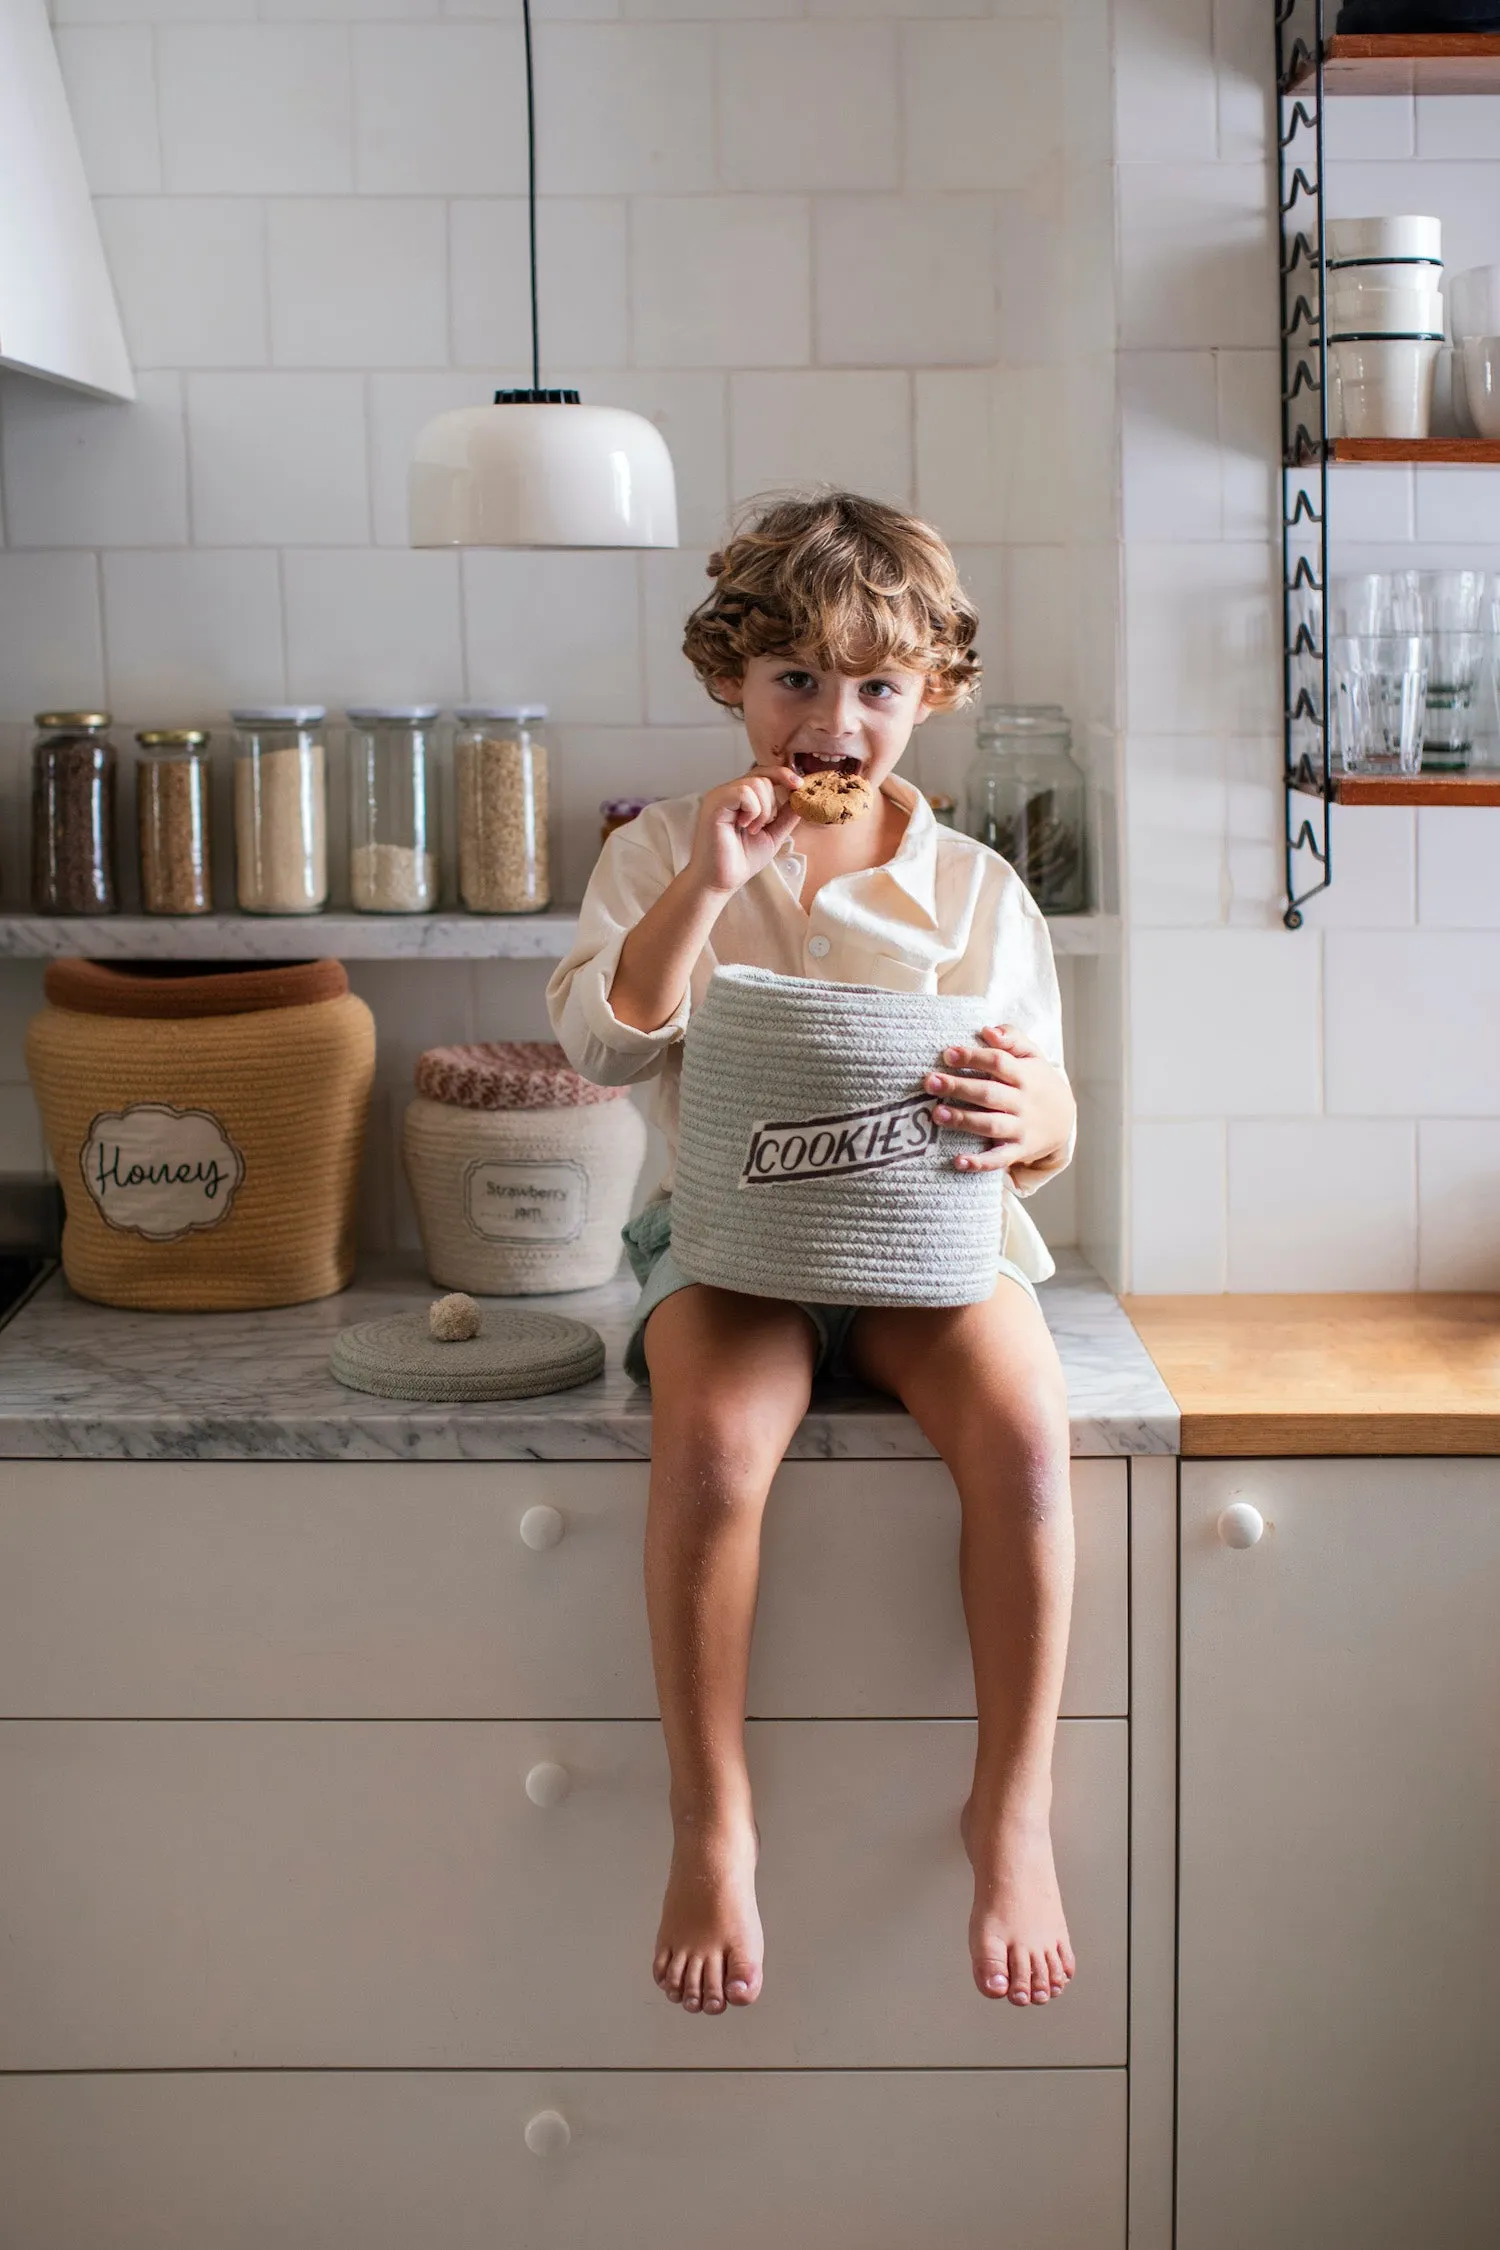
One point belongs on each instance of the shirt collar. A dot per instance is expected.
(913, 869)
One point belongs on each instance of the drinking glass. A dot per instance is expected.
(1380, 696)
(1454, 662)
(1450, 600)
(1382, 601)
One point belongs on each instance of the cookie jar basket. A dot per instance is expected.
(809, 1164)
(206, 1130)
(522, 1172)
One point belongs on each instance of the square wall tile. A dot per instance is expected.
(1455, 504)
(255, 109)
(983, 103)
(399, 407)
(1457, 125)
(628, 109)
(598, 763)
(1197, 255)
(373, 626)
(808, 105)
(1202, 639)
(1458, 1204)
(85, 472)
(1038, 666)
(951, 319)
(821, 428)
(691, 411)
(1176, 810)
(1224, 1023)
(561, 629)
(1177, 1218)
(1166, 90)
(748, 304)
(1170, 462)
(987, 451)
(1411, 1021)
(674, 584)
(1250, 441)
(439, 109)
(1325, 1203)
(191, 634)
(1381, 128)
(1368, 503)
(190, 276)
(1242, 57)
(51, 647)
(278, 459)
(1374, 870)
(1458, 868)
(150, 11)
(358, 282)
(110, 75)
(582, 274)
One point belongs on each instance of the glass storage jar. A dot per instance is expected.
(280, 809)
(393, 856)
(73, 815)
(500, 775)
(173, 819)
(1025, 798)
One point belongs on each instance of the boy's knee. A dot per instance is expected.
(721, 1446)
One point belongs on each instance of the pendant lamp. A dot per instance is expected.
(538, 468)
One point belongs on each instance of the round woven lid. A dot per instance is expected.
(515, 1355)
(508, 1074)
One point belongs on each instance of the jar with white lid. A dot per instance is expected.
(393, 855)
(280, 808)
(500, 776)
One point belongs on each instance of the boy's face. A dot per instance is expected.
(828, 722)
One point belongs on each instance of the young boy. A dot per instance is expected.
(834, 627)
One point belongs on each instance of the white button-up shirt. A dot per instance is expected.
(946, 914)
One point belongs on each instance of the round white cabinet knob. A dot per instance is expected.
(548, 2133)
(543, 1526)
(547, 1784)
(1241, 1525)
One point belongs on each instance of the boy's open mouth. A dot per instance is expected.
(812, 761)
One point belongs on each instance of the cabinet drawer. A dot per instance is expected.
(868, 2160)
(336, 1893)
(246, 1590)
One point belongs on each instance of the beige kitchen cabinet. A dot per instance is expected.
(1339, 1970)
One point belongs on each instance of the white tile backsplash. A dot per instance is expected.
(628, 109)
(389, 305)
(1170, 470)
(191, 634)
(1458, 868)
(1459, 1188)
(373, 626)
(556, 628)
(808, 105)
(583, 273)
(51, 646)
(750, 261)
(810, 428)
(86, 472)
(1197, 256)
(109, 71)
(952, 320)
(439, 109)
(278, 459)
(1411, 1023)
(255, 109)
(1225, 1023)
(1177, 1207)
(1322, 1203)
(983, 104)
(1165, 88)
(190, 275)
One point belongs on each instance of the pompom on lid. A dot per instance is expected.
(508, 1074)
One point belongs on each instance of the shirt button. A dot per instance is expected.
(819, 948)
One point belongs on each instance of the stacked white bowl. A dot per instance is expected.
(1474, 304)
(1384, 325)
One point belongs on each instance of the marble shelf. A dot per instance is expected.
(78, 1381)
(363, 937)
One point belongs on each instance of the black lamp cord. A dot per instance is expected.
(536, 340)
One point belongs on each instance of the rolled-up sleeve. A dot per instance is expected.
(631, 873)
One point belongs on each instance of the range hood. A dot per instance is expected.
(58, 316)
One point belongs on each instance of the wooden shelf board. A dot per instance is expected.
(1430, 63)
(1461, 452)
(1472, 789)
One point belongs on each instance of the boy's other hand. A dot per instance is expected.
(1009, 1096)
(741, 828)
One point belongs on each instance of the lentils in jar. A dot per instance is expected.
(73, 815)
(172, 817)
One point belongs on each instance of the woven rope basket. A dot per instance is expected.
(809, 1166)
(517, 1202)
(208, 1161)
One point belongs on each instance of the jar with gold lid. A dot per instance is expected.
(73, 814)
(173, 818)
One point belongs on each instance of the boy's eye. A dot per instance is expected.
(798, 681)
(879, 691)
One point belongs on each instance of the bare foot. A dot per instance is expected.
(709, 1948)
(1018, 1935)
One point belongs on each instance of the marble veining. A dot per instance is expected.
(290, 937)
(83, 1382)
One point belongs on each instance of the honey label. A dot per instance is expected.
(542, 1202)
(161, 1172)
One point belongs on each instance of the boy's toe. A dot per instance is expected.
(692, 1984)
(1020, 1977)
(672, 1982)
(713, 1985)
(1041, 1981)
(741, 1980)
(992, 1978)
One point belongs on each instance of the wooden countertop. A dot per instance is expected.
(1275, 1376)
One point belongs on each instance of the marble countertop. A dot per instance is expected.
(80, 1381)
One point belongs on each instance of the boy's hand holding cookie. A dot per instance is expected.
(1009, 1096)
(741, 828)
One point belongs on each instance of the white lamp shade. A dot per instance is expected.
(539, 475)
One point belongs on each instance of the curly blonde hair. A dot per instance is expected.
(849, 584)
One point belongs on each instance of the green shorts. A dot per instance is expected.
(648, 1245)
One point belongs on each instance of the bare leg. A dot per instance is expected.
(985, 1384)
(730, 1381)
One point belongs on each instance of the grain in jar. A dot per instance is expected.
(393, 858)
(173, 819)
(500, 775)
(280, 809)
(73, 814)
